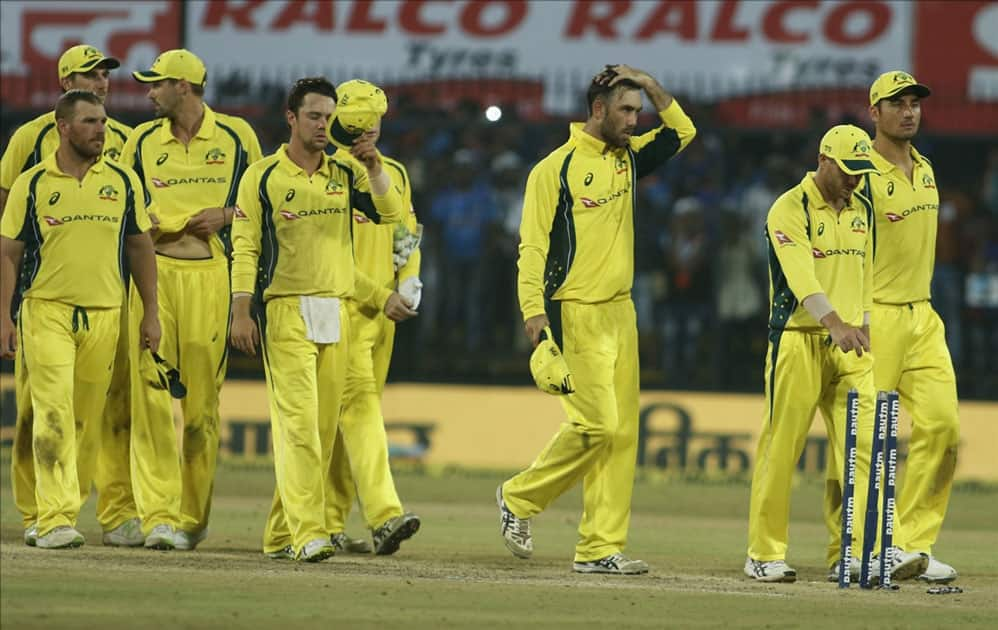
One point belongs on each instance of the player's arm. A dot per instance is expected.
(142, 262)
(373, 193)
(540, 199)
(653, 148)
(369, 293)
(786, 228)
(13, 233)
(247, 231)
(871, 239)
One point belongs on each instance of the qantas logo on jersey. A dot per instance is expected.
(173, 181)
(782, 238)
(818, 253)
(894, 217)
(70, 218)
(294, 216)
(602, 201)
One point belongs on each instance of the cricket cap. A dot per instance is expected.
(548, 367)
(894, 82)
(359, 107)
(850, 147)
(84, 58)
(178, 64)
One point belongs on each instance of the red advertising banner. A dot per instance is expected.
(955, 50)
(35, 34)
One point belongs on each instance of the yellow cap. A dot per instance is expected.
(83, 58)
(891, 83)
(175, 64)
(548, 367)
(359, 107)
(850, 147)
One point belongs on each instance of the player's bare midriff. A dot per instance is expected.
(182, 245)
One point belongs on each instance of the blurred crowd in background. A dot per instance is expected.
(701, 285)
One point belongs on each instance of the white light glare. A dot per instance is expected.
(493, 113)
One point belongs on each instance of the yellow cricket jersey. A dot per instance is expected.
(292, 233)
(36, 140)
(373, 244)
(907, 214)
(815, 249)
(183, 180)
(577, 231)
(73, 232)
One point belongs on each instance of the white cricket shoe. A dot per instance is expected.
(515, 531)
(344, 543)
(31, 535)
(128, 534)
(317, 550)
(62, 537)
(187, 541)
(855, 567)
(615, 564)
(904, 565)
(938, 572)
(770, 571)
(161, 537)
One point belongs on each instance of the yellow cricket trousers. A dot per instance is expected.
(359, 463)
(913, 359)
(68, 353)
(598, 441)
(173, 486)
(305, 383)
(805, 372)
(115, 503)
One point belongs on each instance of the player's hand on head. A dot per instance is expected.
(533, 328)
(8, 338)
(615, 73)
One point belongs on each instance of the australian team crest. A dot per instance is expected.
(215, 156)
(334, 188)
(858, 225)
(108, 193)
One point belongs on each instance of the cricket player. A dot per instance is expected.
(292, 249)
(72, 218)
(576, 268)
(389, 255)
(190, 159)
(820, 236)
(907, 335)
(81, 67)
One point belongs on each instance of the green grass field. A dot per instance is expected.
(456, 572)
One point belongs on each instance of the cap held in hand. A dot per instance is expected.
(359, 107)
(548, 367)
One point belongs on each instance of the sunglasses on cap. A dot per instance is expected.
(169, 377)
